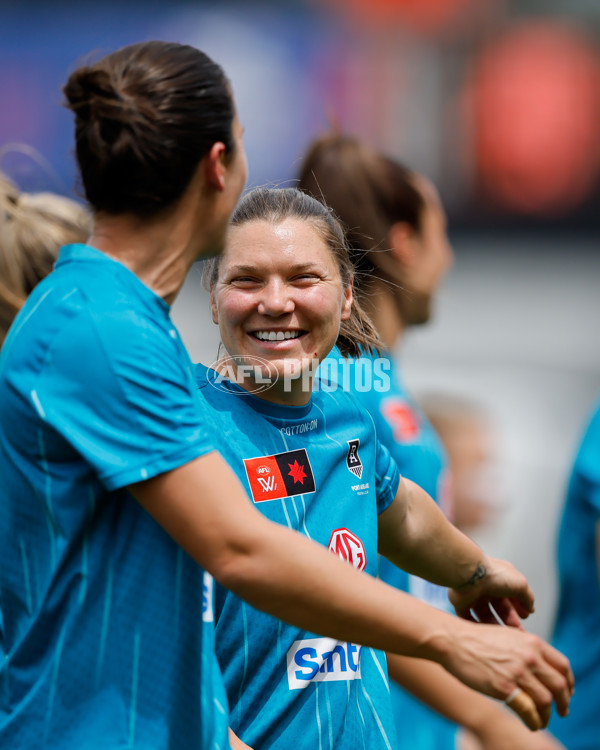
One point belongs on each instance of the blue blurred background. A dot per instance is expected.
(498, 101)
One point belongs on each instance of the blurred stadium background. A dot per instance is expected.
(498, 101)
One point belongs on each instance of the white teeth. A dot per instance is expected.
(276, 335)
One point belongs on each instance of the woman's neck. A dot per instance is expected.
(380, 301)
(161, 249)
(156, 253)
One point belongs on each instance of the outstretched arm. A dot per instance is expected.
(415, 535)
(204, 508)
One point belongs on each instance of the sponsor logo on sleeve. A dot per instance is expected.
(322, 660)
(353, 461)
(281, 475)
(348, 547)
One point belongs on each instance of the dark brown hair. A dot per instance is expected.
(274, 205)
(144, 118)
(367, 191)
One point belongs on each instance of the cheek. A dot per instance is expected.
(232, 309)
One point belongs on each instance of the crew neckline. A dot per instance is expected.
(277, 411)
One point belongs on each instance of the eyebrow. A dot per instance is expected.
(243, 268)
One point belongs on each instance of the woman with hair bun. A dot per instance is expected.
(112, 519)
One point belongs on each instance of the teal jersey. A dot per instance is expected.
(317, 469)
(376, 382)
(577, 626)
(106, 625)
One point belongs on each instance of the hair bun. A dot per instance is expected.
(91, 94)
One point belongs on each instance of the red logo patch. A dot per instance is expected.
(282, 475)
(348, 547)
(401, 419)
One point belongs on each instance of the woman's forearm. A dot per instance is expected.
(204, 508)
(415, 535)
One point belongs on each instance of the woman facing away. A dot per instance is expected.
(577, 621)
(396, 228)
(112, 520)
(33, 227)
(309, 458)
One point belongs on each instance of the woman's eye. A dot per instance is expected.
(306, 277)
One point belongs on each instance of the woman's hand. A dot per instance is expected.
(499, 584)
(498, 661)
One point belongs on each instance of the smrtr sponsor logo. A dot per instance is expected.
(322, 660)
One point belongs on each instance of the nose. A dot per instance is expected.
(276, 299)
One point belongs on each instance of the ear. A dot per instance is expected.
(215, 166)
(401, 239)
(347, 301)
(213, 306)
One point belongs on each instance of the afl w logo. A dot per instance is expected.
(353, 461)
(267, 483)
(348, 547)
(281, 475)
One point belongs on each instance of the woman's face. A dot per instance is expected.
(279, 297)
(430, 258)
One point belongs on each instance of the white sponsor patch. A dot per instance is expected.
(208, 614)
(322, 660)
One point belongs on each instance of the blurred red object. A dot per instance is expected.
(425, 16)
(533, 107)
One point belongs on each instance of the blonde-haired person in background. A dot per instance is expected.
(33, 227)
(396, 227)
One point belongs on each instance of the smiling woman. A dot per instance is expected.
(289, 301)
(309, 458)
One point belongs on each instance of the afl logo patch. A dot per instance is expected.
(347, 546)
(353, 461)
(281, 475)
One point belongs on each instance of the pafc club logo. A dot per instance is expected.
(353, 461)
(281, 475)
(348, 547)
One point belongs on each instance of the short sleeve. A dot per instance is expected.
(119, 388)
(387, 477)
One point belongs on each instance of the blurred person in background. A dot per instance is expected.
(109, 475)
(467, 434)
(397, 231)
(577, 623)
(33, 227)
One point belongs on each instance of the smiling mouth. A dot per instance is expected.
(276, 335)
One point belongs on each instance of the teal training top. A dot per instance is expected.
(577, 626)
(318, 469)
(106, 631)
(377, 383)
